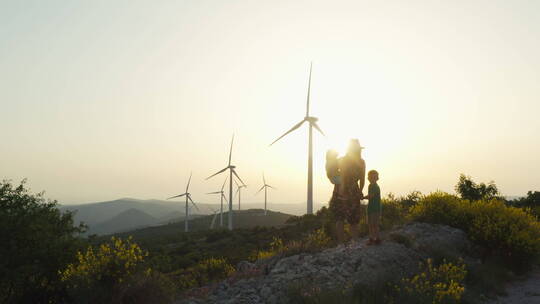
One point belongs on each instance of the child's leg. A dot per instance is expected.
(376, 226)
(370, 226)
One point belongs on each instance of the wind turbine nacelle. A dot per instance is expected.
(232, 167)
(312, 119)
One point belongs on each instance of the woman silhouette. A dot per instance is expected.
(345, 201)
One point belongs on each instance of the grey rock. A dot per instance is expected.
(343, 266)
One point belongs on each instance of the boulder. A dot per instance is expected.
(345, 266)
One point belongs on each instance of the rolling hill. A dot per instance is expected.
(126, 220)
(101, 217)
(242, 219)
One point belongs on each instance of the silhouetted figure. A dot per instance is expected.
(374, 208)
(345, 201)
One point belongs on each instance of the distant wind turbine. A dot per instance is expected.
(213, 219)
(312, 124)
(188, 199)
(265, 187)
(231, 168)
(239, 192)
(222, 196)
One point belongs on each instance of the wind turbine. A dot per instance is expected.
(213, 219)
(222, 196)
(238, 190)
(188, 199)
(312, 124)
(231, 168)
(265, 187)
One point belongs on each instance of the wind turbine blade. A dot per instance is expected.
(314, 124)
(224, 197)
(189, 197)
(309, 89)
(180, 195)
(236, 183)
(264, 179)
(220, 171)
(217, 192)
(235, 174)
(292, 129)
(189, 181)
(230, 152)
(226, 178)
(260, 190)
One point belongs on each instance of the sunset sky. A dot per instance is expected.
(108, 99)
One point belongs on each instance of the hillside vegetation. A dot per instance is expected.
(159, 264)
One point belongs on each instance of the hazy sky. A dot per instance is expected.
(108, 99)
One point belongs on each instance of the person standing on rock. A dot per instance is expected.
(345, 201)
(374, 208)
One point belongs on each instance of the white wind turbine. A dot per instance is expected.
(239, 192)
(222, 197)
(265, 187)
(213, 219)
(231, 168)
(188, 199)
(312, 124)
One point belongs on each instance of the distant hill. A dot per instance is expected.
(98, 214)
(242, 219)
(126, 220)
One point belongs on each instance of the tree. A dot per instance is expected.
(37, 240)
(469, 190)
(531, 201)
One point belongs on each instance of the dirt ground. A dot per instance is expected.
(523, 291)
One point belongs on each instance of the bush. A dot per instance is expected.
(531, 202)
(437, 285)
(506, 231)
(36, 240)
(206, 271)
(315, 241)
(153, 287)
(102, 275)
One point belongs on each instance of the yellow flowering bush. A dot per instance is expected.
(434, 285)
(506, 231)
(110, 262)
(105, 270)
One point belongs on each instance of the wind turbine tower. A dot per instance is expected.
(222, 197)
(312, 124)
(239, 192)
(188, 199)
(265, 187)
(232, 171)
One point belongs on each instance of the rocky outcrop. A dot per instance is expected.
(344, 266)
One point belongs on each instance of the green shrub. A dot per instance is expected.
(152, 287)
(206, 271)
(506, 231)
(315, 241)
(36, 240)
